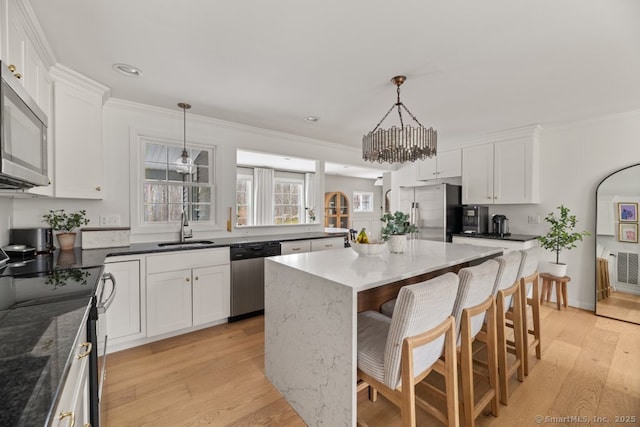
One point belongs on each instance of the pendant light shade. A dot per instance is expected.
(399, 144)
(184, 164)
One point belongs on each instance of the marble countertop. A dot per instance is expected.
(346, 267)
(509, 237)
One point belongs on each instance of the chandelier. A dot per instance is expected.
(399, 145)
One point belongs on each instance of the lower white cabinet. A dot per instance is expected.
(124, 315)
(73, 405)
(313, 245)
(179, 297)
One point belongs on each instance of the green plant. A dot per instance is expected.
(561, 235)
(59, 220)
(396, 224)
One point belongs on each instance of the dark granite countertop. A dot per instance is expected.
(511, 237)
(41, 315)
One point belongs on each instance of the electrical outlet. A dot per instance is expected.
(534, 219)
(111, 220)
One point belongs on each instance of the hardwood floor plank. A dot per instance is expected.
(215, 377)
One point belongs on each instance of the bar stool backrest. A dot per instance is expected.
(476, 285)
(509, 265)
(529, 264)
(419, 308)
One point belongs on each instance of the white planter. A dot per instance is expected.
(558, 270)
(397, 244)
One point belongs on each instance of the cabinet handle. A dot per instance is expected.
(84, 353)
(72, 420)
(295, 249)
(12, 68)
(98, 188)
(196, 278)
(18, 75)
(187, 279)
(328, 246)
(434, 173)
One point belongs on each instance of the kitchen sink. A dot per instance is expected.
(186, 244)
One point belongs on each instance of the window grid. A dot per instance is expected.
(362, 201)
(244, 200)
(288, 201)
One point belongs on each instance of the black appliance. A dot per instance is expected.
(475, 219)
(247, 277)
(40, 238)
(500, 225)
(23, 136)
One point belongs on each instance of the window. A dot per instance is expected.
(362, 201)
(244, 194)
(288, 201)
(166, 192)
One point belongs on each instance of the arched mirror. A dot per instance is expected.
(617, 247)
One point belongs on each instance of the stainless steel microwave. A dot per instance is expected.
(23, 136)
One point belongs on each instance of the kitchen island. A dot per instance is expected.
(311, 306)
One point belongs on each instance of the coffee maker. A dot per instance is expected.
(500, 225)
(475, 219)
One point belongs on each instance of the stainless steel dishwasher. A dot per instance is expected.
(247, 277)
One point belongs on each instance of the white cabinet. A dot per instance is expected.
(312, 245)
(186, 289)
(73, 403)
(503, 172)
(124, 315)
(327, 244)
(295, 247)
(78, 105)
(446, 164)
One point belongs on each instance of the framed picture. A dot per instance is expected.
(628, 233)
(628, 212)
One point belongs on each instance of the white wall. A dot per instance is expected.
(368, 220)
(6, 211)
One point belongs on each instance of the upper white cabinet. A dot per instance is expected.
(504, 172)
(446, 164)
(78, 105)
(24, 50)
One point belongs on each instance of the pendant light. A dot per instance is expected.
(184, 164)
(399, 144)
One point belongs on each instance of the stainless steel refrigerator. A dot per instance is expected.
(435, 209)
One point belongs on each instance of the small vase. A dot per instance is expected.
(397, 243)
(66, 241)
(558, 270)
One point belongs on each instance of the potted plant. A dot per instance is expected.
(65, 224)
(396, 226)
(561, 236)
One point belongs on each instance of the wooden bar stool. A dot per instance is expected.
(561, 288)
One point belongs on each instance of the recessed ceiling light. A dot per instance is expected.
(312, 119)
(127, 70)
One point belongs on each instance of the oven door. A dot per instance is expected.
(105, 298)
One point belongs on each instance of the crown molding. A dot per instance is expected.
(71, 77)
(35, 33)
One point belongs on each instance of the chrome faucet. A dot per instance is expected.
(185, 233)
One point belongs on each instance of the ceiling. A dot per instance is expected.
(473, 67)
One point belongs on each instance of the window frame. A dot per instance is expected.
(249, 204)
(360, 195)
(301, 202)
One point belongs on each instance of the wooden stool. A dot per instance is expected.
(561, 288)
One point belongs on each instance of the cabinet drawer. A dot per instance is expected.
(295, 247)
(327, 244)
(180, 260)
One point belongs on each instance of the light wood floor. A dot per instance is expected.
(589, 367)
(620, 305)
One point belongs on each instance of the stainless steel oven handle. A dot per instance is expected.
(104, 305)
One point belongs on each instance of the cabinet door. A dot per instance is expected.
(327, 244)
(78, 142)
(168, 302)
(514, 172)
(427, 169)
(123, 315)
(449, 164)
(14, 40)
(74, 397)
(295, 247)
(211, 293)
(477, 175)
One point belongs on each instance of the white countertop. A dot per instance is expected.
(346, 267)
